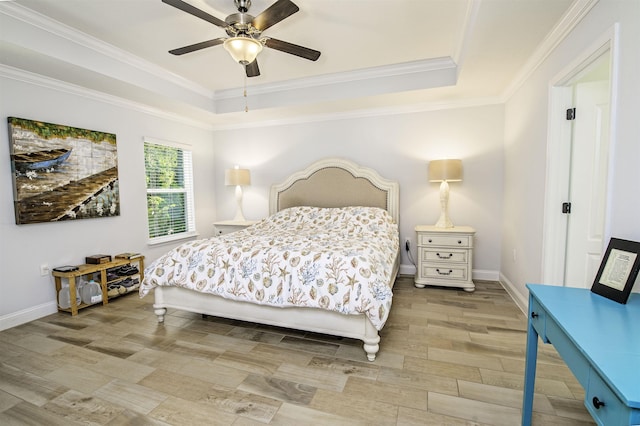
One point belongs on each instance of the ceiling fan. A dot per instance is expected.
(245, 39)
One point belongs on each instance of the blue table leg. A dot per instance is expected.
(529, 373)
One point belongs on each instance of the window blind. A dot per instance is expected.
(169, 177)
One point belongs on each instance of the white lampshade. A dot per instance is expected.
(243, 49)
(237, 176)
(445, 171)
(449, 170)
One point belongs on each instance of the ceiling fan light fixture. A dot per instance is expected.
(243, 50)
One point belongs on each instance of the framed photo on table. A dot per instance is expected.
(618, 270)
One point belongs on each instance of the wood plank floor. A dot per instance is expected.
(447, 358)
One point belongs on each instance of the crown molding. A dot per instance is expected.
(470, 19)
(361, 75)
(370, 76)
(374, 81)
(428, 73)
(65, 87)
(574, 15)
(43, 22)
(62, 86)
(365, 113)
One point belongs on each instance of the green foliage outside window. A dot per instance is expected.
(166, 193)
(166, 213)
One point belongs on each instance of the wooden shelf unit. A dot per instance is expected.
(95, 269)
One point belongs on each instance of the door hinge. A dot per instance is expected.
(571, 114)
(566, 208)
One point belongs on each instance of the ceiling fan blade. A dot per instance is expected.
(197, 46)
(186, 7)
(294, 49)
(252, 69)
(275, 13)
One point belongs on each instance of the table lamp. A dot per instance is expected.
(238, 177)
(445, 171)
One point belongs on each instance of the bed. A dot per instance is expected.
(257, 288)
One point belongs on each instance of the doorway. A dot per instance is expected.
(578, 169)
(587, 179)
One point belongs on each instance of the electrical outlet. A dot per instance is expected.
(407, 244)
(44, 270)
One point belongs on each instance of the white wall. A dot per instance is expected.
(24, 294)
(399, 148)
(526, 135)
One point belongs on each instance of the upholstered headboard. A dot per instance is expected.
(336, 182)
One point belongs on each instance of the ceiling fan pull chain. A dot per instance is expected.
(246, 106)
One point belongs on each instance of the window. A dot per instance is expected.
(169, 174)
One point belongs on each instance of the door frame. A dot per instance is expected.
(554, 238)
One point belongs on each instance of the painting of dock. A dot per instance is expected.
(62, 172)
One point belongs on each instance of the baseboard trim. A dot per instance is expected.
(485, 275)
(31, 314)
(521, 301)
(407, 270)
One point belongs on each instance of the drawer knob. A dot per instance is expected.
(459, 241)
(534, 315)
(444, 273)
(597, 403)
(449, 256)
(430, 240)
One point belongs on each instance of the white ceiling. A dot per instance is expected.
(376, 54)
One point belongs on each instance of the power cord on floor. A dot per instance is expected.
(407, 248)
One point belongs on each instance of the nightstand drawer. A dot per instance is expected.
(444, 240)
(445, 272)
(453, 256)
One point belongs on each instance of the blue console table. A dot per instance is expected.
(599, 340)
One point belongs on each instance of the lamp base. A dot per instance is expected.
(444, 221)
(239, 217)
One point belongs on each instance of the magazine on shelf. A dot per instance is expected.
(128, 255)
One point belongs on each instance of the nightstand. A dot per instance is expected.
(227, 226)
(445, 256)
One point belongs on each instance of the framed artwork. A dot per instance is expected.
(61, 172)
(618, 270)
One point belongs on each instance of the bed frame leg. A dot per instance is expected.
(371, 349)
(371, 340)
(160, 314)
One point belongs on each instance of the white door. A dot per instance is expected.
(587, 186)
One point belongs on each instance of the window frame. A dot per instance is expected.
(187, 189)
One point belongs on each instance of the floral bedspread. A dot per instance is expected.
(340, 259)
